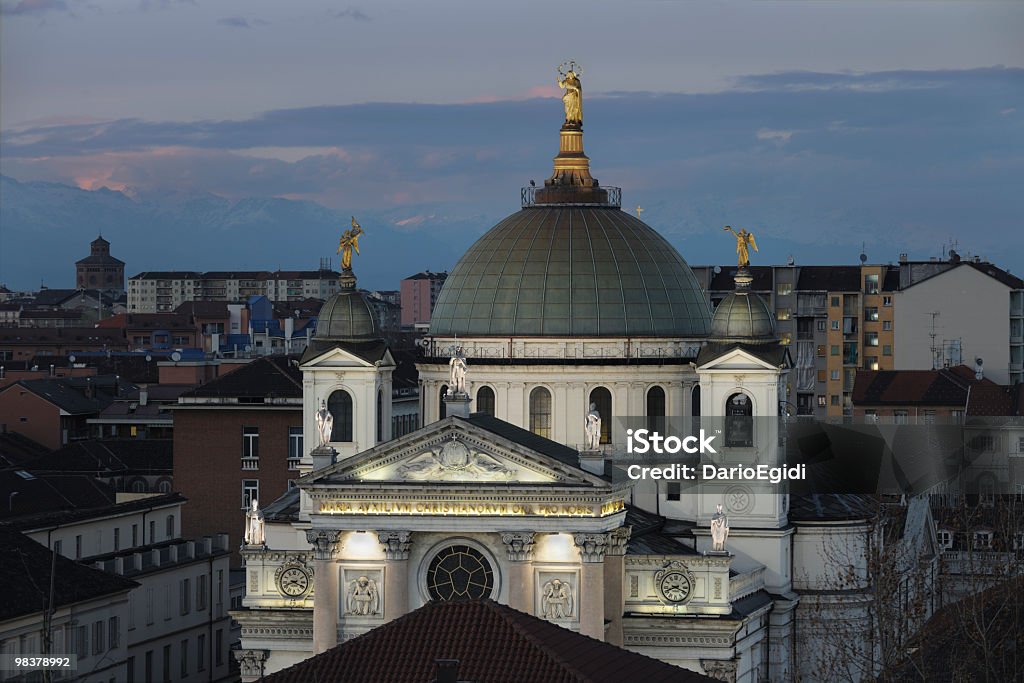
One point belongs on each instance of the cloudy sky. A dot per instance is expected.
(824, 125)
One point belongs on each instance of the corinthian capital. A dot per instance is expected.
(519, 545)
(592, 547)
(396, 544)
(618, 539)
(324, 541)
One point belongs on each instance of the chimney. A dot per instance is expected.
(207, 545)
(222, 542)
(53, 370)
(143, 394)
(979, 371)
(447, 671)
(90, 390)
(903, 257)
(190, 549)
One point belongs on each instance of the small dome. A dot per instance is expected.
(347, 316)
(743, 316)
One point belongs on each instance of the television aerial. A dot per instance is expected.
(176, 356)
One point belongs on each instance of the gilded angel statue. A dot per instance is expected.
(349, 241)
(744, 239)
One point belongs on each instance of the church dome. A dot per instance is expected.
(743, 316)
(571, 269)
(347, 316)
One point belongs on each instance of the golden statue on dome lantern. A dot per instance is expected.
(744, 240)
(349, 241)
(569, 81)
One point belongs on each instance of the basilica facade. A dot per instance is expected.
(560, 322)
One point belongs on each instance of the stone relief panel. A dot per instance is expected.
(362, 592)
(557, 595)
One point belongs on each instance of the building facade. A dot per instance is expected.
(99, 270)
(419, 293)
(162, 291)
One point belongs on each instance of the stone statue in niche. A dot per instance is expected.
(254, 524)
(556, 600)
(457, 377)
(719, 530)
(592, 429)
(363, 598)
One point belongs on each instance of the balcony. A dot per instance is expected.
(250, 463)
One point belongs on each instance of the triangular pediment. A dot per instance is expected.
(340, 357)
(737, 358)
(455, 451)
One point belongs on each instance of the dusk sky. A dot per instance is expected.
(820, 125)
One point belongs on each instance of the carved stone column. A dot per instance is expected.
(325, 597)
(519, 545)
(614, 578)
(396, 572)
(592, 548)
(251, 664)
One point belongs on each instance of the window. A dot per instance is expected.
(945, 539)
(380, 416)
(170, 526)
(201, 652)
(871, 339)
(540, 412)
(82, 641)
(821, 350)
(983, 540)
(822, 375)
(201, 589)
(78, 547)
(887, 301)
(673, 491)
(983, 442)
(152, 531)
(149, 666)
(900, 417)
(250, 492)
(130, 669)
(340, 405)
(834, 350)
(871, 313)
(57, 546)
(835, 399)
(218, 656)
(485, 400)
(184, 658)
(186, 596)
(442, 410)
(114, 632)
(871, 416)
(784, 288)
(601, 399)
(786, 339)
(835, 324)
(871, 362)
(98, 637)
(887, 325)
(834, 302)
(135, 535)
(149, 606)
(887, 349)
(871, 284)
(820, 324)
(250, 448)
(294, 447)
(782, 314)
(167, 663)
(459, 572)
(655, 407)
(739, 421)
(821, 401)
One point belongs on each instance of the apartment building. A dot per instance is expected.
(162, 291)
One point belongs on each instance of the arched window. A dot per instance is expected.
(380, 416)
(164, 486)
(485, 400)
(602, 398)
(655, 409)
(170, 526)
(442, 409)
(739, 421)
(695, 401)
(340, 405)
(540, 412)
(139, 486)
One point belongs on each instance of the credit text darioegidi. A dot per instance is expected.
(766, 473)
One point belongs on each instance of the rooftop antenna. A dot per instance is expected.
(935, 350)
(863, 255)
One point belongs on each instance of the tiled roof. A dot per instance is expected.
(428, 276)
(27, 565)
(493, 643)
(370, 351)
(62, 335)
(829, 278)
(148, 321)
(203, 309)
(267, 376)
(167, 275)
(648, 537)
(772, 353)
(993, 271)
(80, 510)
(69, 393)
(115, 456)
(828, 507)
(29, 493)
(906, 387)
(17, 450)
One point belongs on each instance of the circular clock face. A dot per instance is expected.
(293, 581)
(675, 586)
